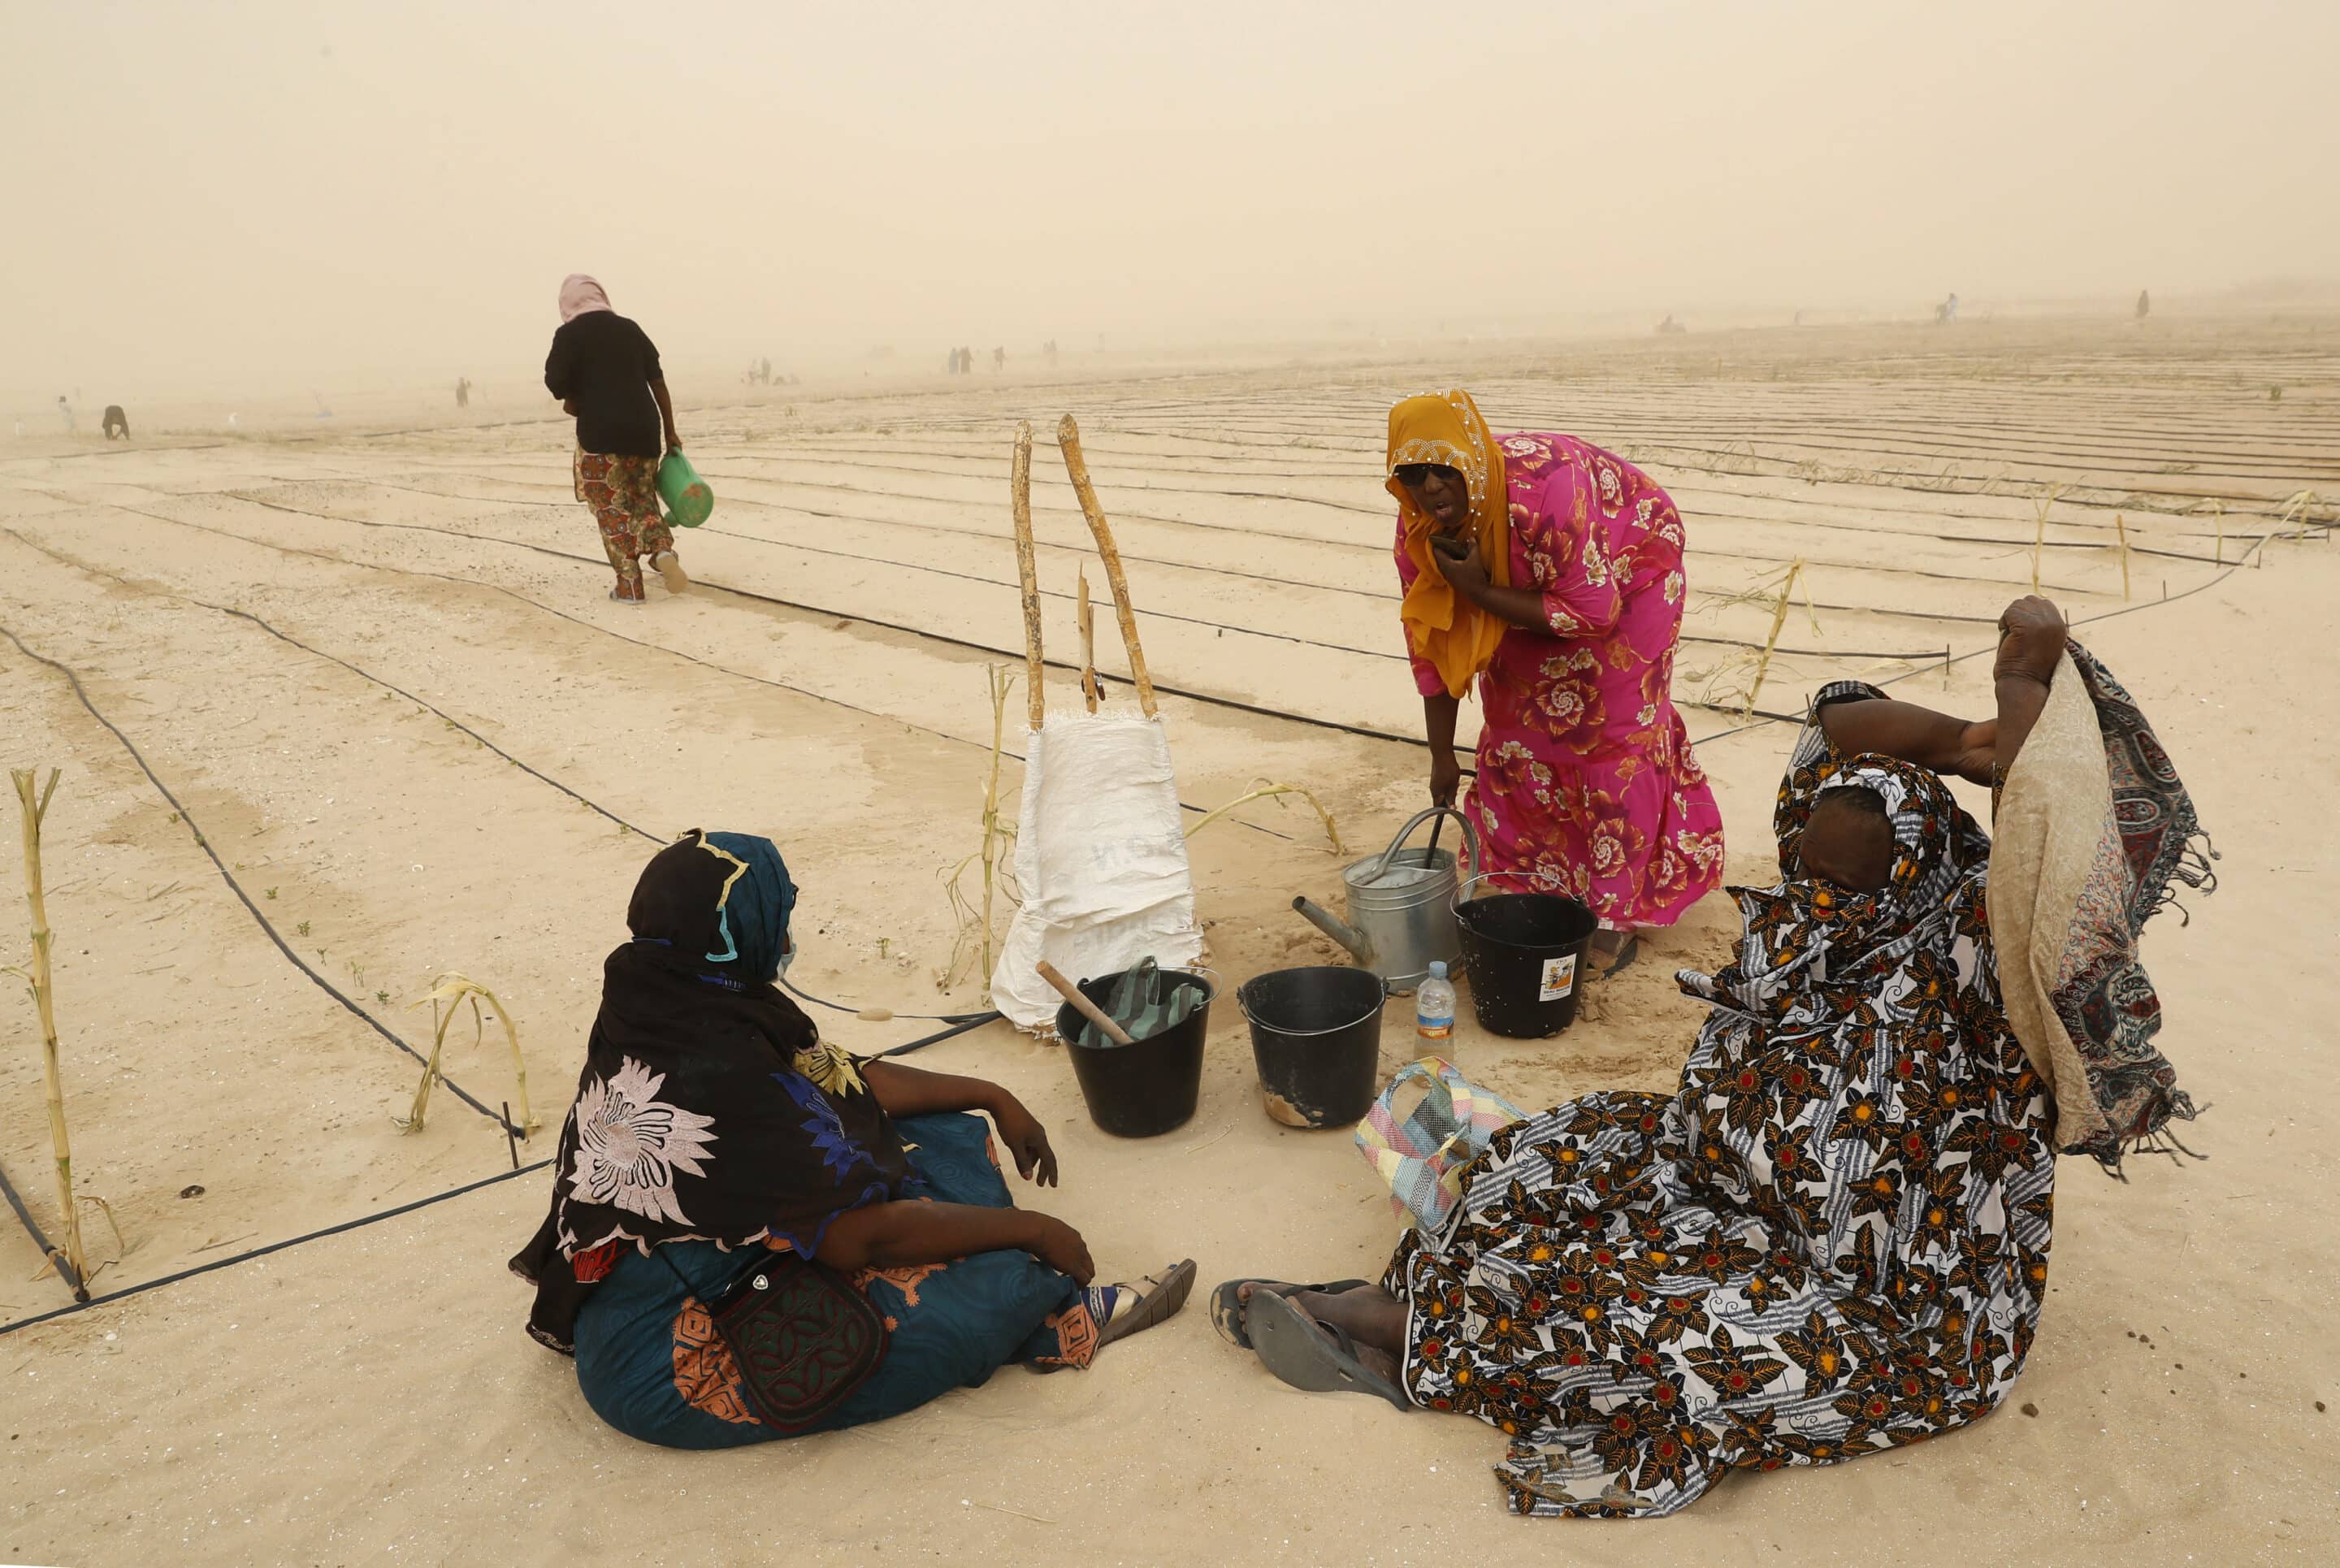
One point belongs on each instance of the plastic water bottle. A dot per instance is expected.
(1434, 1014)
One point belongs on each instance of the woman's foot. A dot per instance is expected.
(1122, 1310)
(1610, 951)
(1332, 1343)
(670, 568)
(1232, 1298)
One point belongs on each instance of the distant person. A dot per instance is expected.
(65, 413)
(767, 373)
(2144, 304)
(1947, 311)
(967, 362)
(1670, 326)
(116, 422)
(999, 359)
(462, 392)
(605, 371)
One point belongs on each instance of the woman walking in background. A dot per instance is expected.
(1551, 571)
(605, 371)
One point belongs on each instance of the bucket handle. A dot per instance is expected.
(1469, 840)
(1463, 894)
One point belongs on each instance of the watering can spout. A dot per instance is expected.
(1340, 930)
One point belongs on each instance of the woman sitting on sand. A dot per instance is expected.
(605, 371)
(718, 1148)
(1833, 1239)
(1551, 572)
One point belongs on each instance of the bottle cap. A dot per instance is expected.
(1437, 968)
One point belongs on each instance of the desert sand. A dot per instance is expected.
(373, 661)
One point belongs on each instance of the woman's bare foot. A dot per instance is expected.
(670, 568)
(1610, 951)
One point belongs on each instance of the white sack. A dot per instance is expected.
(1101, 857)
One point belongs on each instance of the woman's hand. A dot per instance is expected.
(568, 407)
(1445, 776)
(1459, 563)
(673, 442)
(1026, 1140)
(2031, 633)
(1060, 1246)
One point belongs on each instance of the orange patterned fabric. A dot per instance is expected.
(1077, 1336)
(705, 1374)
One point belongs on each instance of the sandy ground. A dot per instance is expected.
(377, 669)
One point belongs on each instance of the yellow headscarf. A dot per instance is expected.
(1445, 429)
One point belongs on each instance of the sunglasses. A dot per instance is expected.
(1414, 475)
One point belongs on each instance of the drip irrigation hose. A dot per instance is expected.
(204, 843)
(55, 1255)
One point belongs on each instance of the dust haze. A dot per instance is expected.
(258, 196)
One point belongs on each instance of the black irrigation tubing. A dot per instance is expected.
(55, 1255)
(578, 621)
(202, 842)
(317, 653)
(273, 1246)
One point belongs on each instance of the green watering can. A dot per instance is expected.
(687, 499)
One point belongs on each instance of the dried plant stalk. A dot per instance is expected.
(452, 989)
(1001, 682)
(2122, 528)
(1779, 619)
(1089, 692)
(34, 807)
(1264, 790)
(1019, 488)
(1068, 441)
(2039, 535)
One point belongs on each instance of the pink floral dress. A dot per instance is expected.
(1586, 784)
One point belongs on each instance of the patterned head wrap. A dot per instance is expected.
(1445, 429)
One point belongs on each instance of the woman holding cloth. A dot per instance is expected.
(1551, 572)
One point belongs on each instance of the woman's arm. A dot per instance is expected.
(666, 413)
(1438, 714)
(907, 1092)
(560, 367)
(904, 1234)
(2031, 643)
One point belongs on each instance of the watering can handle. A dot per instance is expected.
(1469, 840)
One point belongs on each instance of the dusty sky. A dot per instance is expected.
(240, 194)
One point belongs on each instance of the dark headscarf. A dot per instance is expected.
(709, 1108)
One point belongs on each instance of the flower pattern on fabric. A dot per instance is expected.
(631, 1143)
(622, 492)
(1833, 1239)
(1586, 783)
(829, 1068)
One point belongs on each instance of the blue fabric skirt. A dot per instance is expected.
(651, 1366)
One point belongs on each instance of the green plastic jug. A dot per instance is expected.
(687, 499)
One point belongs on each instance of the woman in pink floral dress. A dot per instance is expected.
(1551, 571)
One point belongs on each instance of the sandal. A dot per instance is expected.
(1319, 1357)
(1227, 1305)
(1168, 1293)
(1621, 962)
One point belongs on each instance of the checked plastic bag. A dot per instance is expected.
(1421, 1159)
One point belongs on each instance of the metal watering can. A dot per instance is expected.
(1403, 903)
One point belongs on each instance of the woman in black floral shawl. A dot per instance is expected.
(712, 1119)
(1833, 1239)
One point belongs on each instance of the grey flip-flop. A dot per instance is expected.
(1170, 1291)
(1227, 1305)
(1318, 1357)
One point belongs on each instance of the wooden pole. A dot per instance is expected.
(1068, 441)
(44, 1003)
(1020, 493)
(2123, 528)
(1088, 646)
(1082, 1006)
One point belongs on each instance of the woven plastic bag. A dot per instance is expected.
(1421, 1159)
(1101, 844)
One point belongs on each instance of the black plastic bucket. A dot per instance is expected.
(1316, 1035)
(1140, 1090)
(1524, 953)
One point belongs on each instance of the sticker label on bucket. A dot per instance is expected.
(1559, 979)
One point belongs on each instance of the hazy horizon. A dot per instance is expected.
(251, 195)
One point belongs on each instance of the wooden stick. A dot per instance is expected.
(44, 1003)
(1020, 492)
(1001, 682)
(1082, 1006)
(1088, 645)
(2123, 527)
(1779, 619)
(1068, 441)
